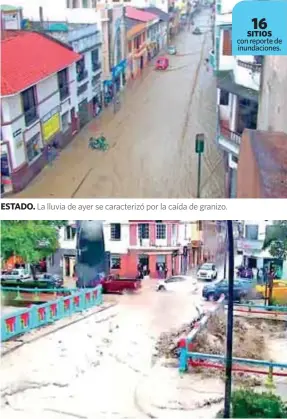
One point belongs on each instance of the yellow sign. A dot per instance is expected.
(51, 127)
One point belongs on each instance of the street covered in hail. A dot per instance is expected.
(151, 137)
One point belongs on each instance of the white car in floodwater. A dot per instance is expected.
(178, 283)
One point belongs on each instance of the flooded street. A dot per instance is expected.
(151, 137)
(93, 368)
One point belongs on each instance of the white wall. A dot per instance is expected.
(244, 76)
(12, 109)
(185, 233)
(119, 246)
(64, 243)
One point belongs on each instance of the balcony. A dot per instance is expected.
(64, 92)
(229, 140)
(247, 72)
(31, 115)
(82, 75)
(96, 66)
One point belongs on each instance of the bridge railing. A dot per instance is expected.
(36, 316)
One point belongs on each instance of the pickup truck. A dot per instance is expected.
(115, 284)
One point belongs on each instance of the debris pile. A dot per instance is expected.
(167, 343)
(248, 339)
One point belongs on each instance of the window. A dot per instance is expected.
(234, 159)
(65, 121)
(116, 231)
(199, 225)
(224, 97)
(29, 105)
(143, 231)
(85, 4)
(94, 3)
(33, 147)
(63, 84)
(81, 71)
(227, 45)
(96, 65)
(75, 4)
(251, 232)
(115, 262)
(160, 231)
(70, 233)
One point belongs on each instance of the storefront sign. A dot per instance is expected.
(51, 124)
(18, 138)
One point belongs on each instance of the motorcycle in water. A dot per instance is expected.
(99, 143)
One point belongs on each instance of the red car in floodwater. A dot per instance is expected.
(162, 63)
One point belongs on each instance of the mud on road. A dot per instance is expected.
(151, 137)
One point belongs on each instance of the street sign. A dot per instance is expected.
(199, 143)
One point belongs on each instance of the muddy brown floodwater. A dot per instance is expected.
(151, 137)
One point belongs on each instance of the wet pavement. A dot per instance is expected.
(151, 137)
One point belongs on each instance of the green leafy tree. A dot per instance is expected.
(276, 240)
(30, 240)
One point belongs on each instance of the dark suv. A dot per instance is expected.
(243, 290)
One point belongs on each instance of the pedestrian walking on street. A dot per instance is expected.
(49, 155)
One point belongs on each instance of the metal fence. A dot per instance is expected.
(36, 316)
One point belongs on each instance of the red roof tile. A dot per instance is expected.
(28, 57)
(141, 15)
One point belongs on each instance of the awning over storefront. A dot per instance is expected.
(119, 68)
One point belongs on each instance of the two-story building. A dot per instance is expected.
(238, 84)
(149, 243)
(39, 105)
(159, 32)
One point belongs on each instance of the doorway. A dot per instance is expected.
(144, 260)
(83, 113)
(69, 266)
(141, 62)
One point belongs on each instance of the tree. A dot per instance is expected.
(276, 239)
(30, 240)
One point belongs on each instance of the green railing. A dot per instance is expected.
(24, 321)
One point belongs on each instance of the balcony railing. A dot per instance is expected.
(254, 67)
(31, 115)
(64, 92)
(229, 135)
(96, 66)
(82, 75)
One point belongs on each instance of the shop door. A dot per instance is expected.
(74, 120)
(144, 260)
(141, 62)
(83, 113)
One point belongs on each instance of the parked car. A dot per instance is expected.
(178, 283)
(207, 271)
(172, 50)
(243, 290)
(15, 276)
(49, 280)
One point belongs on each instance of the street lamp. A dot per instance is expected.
(199, 149)
(229, 337)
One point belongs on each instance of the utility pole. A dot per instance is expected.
(225, 254)
(199, 149)
(229, 338)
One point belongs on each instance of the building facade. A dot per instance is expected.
(64, 259)
(148, 243)
(39, 108)
(238, 85)
(114, 49)
(251, 245)
(273, 99)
